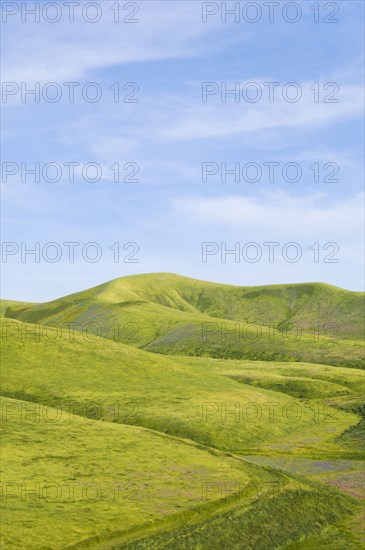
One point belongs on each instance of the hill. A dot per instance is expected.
(114, 382)
(14, 305)
(99, 414)
(196, 445)
(171, 314)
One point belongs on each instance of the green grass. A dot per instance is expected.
(13, 306)
(171, 314)
(163, 393)
(314, 379)
(256, 527)
(156, 476)
(174, 421)
(345, 534)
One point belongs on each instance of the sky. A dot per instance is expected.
(172, 136)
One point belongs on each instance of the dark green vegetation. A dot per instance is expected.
(257, 527)
(215, 440)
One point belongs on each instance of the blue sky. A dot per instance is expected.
(170, 132)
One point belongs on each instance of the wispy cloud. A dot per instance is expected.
(42, 52)
(277, 214)
(212, 120)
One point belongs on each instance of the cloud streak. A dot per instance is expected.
(44, 52)
(279, 214)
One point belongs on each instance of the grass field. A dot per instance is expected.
(124, 429)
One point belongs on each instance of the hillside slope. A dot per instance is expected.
(200, 451)
(115, 382)
(64, 478)
(304, 303)
(172, 314)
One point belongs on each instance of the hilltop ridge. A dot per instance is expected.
(168, 313)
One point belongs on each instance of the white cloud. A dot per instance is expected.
(44, 52)
(215, 119)
(277, 214)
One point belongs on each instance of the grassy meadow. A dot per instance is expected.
(157, 411)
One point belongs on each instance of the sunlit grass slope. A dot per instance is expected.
(234, 433)
(171, 314)
(303, 380)
(14, 306)
(119, 383)
(305, 303)
(66, 478)
(72, 482)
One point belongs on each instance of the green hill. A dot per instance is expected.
(13, 305)
(202, 444)
(115, 382)
(171, 314)
(112, 414)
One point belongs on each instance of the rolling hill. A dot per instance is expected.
(171, 432)
(171, 314)
(119, 383)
